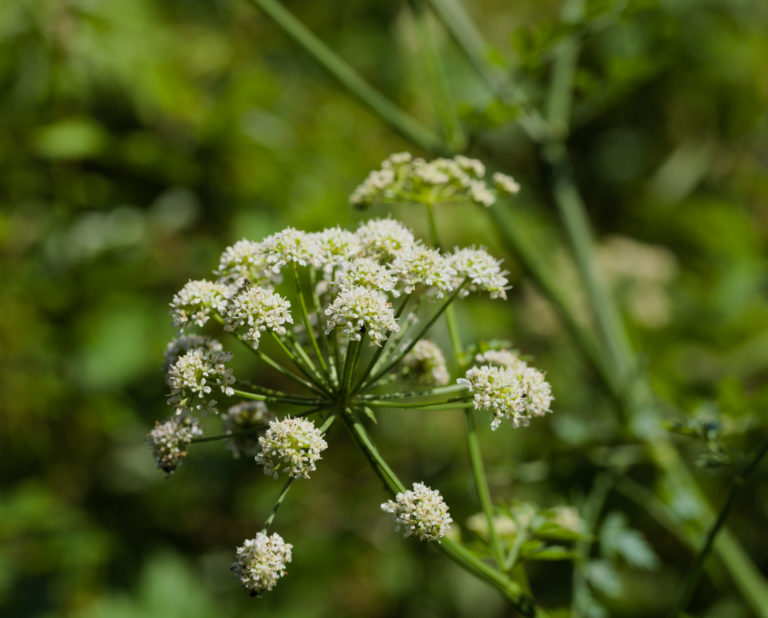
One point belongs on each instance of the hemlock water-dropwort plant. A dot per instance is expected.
(349, 314)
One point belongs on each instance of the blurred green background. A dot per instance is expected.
(138, 138)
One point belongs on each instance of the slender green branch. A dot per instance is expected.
(301, 361)
(287, 399)
(404, 124)
(415, 339)
(307, 323)
(427, 392)
(453, 549)
(418, 404)
(481, 485)
(350, 361)
(288, 374)
(694, 572)
(278, 501)
(324, 343)
(255, 429)
(380, 350)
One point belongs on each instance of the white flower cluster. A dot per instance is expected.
(502, 357)
(420, 512)
(403, 178)
(194, 375)
(261, 561)
(290, 445)
(254, 310)
(185, 343)
(512, 391)
(361, 309)
(244, 416)
(482, 270)
(194, 303)
(425, 365)
(171, 439)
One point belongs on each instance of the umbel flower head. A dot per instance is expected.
(516, 392)
(195, 374)
(290, 445)
(171, 439)
(420, 512)
(403, 178)
(261, 561)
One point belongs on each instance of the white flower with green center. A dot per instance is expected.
(291, 246)
(170, 441)
(245, 260)
(420, 512)
(368, 273)
(482, 270)
(384, 239)
(422, 266)
(291, 446)
(193, 377)
(425, 365)
(516, 394)
(473, 167)
(197, 301)
(260, 562)
(506, 185)
(337, 246)
(255, 310)
(185, 343)
(359, 309)
(503, 358)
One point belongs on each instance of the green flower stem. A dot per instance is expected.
(278, 501)
(481, 485)
(251, 430)
(415, 339)
(380, 350)
(275, 365)
(350, 361)
(324, 343)
(427, 392)
(441, 95)
(300, 360)
(307, 324)
(404, 124)
(329, 420)
(453, 549)
(288, 374)
(287, 399)
(416, 404)
(397, 338)
(694, 572)
(473, 445)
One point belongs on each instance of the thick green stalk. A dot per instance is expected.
(404, 124)
(389, 403)
(453, 549)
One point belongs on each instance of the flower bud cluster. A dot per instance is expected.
(290, 445)
(194, 376)
(514, 392)
(425, 365)
(248, 415)
(403, 178)
(171, 439)
(261, 561)
(420, 512)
